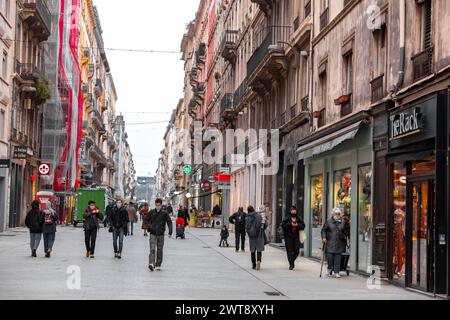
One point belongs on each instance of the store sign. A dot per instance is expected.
(406, 123)
(20, 153)
(5, 163)
(44, 169)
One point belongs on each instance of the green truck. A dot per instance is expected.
(84, 195)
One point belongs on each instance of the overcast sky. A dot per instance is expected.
(146, 82)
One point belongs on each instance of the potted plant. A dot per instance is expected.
(43, 92)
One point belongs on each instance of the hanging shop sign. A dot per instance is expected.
(5, 163)
(20, 153)
(44, 169)
(206, 185)
(405, 123)
(187, 169)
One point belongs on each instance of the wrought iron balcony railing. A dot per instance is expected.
(228, 45)
(240, 93)
(38, 16)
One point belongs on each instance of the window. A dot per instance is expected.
(5, 65)
(364, 218)
(316, 215)
(2, 124)
(347, 107)
(399, 221)
(427, 25)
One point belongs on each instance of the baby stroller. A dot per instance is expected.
(180, 223)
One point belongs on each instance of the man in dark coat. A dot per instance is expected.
(119, 223)
(238, 219)
(92, 215)
(35, 222)
(291, 230)
(334, 236)
(157, 219)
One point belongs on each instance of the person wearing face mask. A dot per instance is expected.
(119, 224)
(334, 237)
(92, 215)
(292, 227)
(157, 219)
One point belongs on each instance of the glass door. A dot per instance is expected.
(421, 234)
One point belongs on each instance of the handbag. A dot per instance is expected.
(110, 229)
(302, 236)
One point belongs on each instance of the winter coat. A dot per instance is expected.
(108, 212)
(50, 228)
(336, 233)
(185, 215)
(238, 219)
(289, 232)
(254, 222)
(224, 233)
(157, 222)
(91, 219)
(144, 213)
(35, 218)
(132, 214)
(120, 218)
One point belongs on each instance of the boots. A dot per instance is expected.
(33, 253)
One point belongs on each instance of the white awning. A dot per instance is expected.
(329, 142)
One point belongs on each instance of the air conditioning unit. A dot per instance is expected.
(27, 104)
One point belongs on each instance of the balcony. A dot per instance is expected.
(98, 89)
(283, 119)
(305, 102)
(264, 5)
(377, 86)
(97, 119)
(239, 94)
(36, 14)
(324, 19)
(193, 76)
(228, 45)
(422, 64)
(89, 102)
(200, 55)
(91, 69)
(293, 111)
(226, 107)
(269, 60)
(90, 138)
(28, 71)
(98, 155)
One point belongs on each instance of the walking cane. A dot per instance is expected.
(323, 259)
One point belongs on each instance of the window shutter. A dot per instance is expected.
(427, 24)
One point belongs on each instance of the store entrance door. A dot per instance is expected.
(420, 273)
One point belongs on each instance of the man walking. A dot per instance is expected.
(132, 217)
(238, 219)
(92, 215)
(157, 220)
(119, 224)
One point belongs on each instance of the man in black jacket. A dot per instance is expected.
(119, 224)
(238, 219)
(157, 219)
(35, 222)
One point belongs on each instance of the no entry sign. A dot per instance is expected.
(44, 169)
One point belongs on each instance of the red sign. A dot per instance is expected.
(206, 185)
(44, 169)
(222, 177)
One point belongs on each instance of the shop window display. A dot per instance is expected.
(316, 215)
(364, 218)
(343, 189)
(399, 223)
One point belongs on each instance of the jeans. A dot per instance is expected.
(118, 234)
(130, 227)
(90, 236)
(35, 240)
(240, 238)
(156, 250)
(334, 262)
(49, 240)
(223, 242)
(256, 256)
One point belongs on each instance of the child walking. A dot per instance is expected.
(224, 234)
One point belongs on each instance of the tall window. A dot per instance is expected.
(348, 64)
(5, 65)
(379, 52)
(364, 218)
(2, 124)
(316, 215)
(427, 25)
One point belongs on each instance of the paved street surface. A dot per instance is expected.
(194, 268)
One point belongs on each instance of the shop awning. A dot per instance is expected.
(329, 142)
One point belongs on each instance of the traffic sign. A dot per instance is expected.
(44, 169)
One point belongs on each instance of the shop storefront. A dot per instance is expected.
(338, 173)
(417, 202)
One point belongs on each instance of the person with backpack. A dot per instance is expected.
(35, 222)
(238, 219)
(255, 231)
(92, 215)
(292, 228)
(49, 229)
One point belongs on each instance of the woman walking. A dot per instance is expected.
(92, 216)
(49, 229)
(35, 221)
(144, 212)
(292, 227)
(255, 231)
(334, 236)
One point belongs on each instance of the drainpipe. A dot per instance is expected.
(310, 71)
(401, 71)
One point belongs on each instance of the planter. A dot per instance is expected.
(342, 99)
(316, 114)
